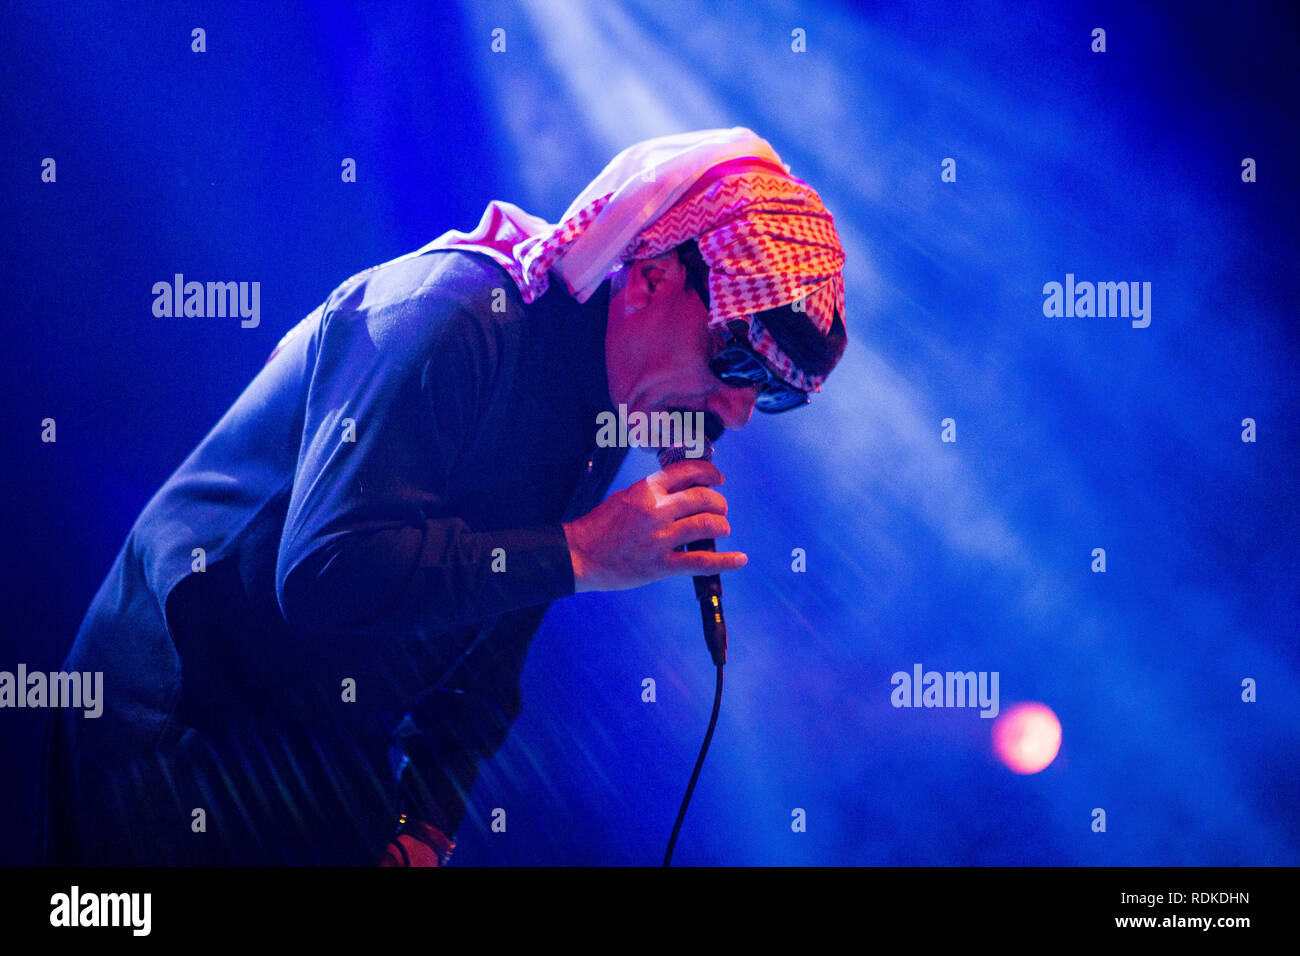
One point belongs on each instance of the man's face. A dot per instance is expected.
(658, 346)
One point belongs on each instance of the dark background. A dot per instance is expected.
(1072, 433)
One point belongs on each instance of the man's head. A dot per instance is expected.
(695, 227)
(659, 345)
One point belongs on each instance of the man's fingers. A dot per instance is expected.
(691, 501)
(706, 562)
(696, 528)
(683, 474)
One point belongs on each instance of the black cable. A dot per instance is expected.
(681, 814)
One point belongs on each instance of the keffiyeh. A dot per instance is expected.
(766, 237)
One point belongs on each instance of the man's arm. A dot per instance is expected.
(392, 399)
(394, 396)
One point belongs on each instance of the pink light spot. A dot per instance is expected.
(1027, 737)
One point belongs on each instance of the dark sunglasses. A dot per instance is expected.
(739, 366)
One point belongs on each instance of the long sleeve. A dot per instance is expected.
(371, 535)
(353, 507)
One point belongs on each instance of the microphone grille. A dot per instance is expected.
(672, 453)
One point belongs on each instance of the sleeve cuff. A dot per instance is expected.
(527, 566)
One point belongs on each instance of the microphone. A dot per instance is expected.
(708, 587)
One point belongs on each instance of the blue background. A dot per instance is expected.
(1072, 433)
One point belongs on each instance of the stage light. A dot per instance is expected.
(1027, 737)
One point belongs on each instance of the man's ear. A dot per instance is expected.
(648, 279)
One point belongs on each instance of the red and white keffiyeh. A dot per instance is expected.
(766, 237)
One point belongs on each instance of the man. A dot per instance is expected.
(315, 630)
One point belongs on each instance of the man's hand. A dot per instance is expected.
(421, 844)
(629, 538)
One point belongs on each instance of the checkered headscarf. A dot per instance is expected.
(766, 237)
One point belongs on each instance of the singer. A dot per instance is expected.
(314, 631)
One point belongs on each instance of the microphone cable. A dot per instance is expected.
(695, 775)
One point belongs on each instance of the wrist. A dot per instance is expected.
(575, 558)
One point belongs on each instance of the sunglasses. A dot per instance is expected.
(740, 366)
(737, 364)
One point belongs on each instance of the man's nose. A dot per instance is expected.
(734, 406)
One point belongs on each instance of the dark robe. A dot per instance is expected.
(379, 515)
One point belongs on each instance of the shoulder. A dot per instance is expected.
(447, 278)
(436, 307)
